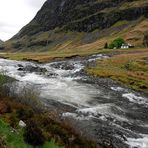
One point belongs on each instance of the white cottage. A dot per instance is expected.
(126, 45)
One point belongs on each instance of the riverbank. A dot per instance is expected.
(131, 69)
(44, 57)
(22, 125)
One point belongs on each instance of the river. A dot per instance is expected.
(103, 108)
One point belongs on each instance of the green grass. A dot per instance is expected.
(51, 145)
(120, 23)
(5, 79)
(131, 69)
(12, 139)
(15, 139)
(43, 57)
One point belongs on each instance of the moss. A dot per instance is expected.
(120, 23)
(5, 79)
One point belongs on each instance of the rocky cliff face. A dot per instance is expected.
(82, 16)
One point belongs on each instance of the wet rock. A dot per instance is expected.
(63, 66)
(31, 68)
(20, 65)
(20, 69)
(67, 67)
(52, 75)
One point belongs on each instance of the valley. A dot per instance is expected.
(100, 107)
(75, 76)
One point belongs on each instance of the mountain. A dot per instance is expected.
(1, 47)
(1, 41)
(80, 24)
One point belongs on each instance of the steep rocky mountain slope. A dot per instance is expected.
(83, 24)
(1, 41)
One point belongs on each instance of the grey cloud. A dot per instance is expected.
(35, 3)
(9, 27)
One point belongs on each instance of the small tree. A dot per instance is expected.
(106, 45)
(111, 46)
(117, 43)
(33, 134)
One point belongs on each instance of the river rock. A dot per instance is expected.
(67, 67)
(22, 124)
(20, 65)
(20, 69)
(63, 66)
(30, 68)
(52, 75)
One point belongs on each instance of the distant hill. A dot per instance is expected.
(1, 45)
(78, 24)
(1, 41)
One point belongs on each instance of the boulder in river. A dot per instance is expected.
(67, 67)
(63, 66)
(52, 75)
(30, 68)
(20, 65)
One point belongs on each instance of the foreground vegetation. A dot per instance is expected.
(129, 68)
(43, 129)
(14, 138)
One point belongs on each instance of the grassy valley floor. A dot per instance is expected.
(129, 68)
(43, 57)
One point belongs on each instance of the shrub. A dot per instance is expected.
(111, 46)
(24, 113)
(106, 45)
(34, 135)
(12, 120)
(117, 43)
(27, 95)
(4, 89)
(3, 143)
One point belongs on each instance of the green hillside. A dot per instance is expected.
(77, 25)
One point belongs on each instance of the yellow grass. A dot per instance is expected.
(130, 69)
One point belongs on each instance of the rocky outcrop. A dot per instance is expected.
(82, 16)
(68, 24)
(106, 20)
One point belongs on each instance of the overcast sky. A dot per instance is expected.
(14, 14)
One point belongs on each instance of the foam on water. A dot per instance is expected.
(117, 88)
(138, 142)
(76, 116)
(68, 91)
(105, 110)
(62, 88)
(135, 99)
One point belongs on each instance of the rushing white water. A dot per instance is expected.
(138, 142)
(113, 104)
